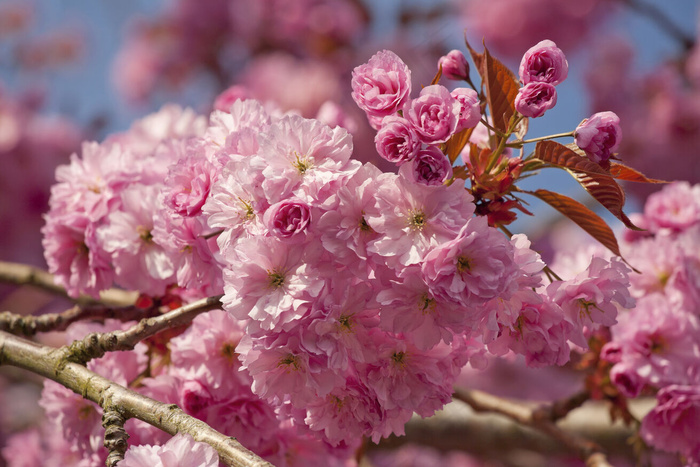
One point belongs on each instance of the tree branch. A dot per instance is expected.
(48, 362)
(30, 325)
(95, 345)
(483, 402)
(22, 274)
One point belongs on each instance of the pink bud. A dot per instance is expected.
(599, 136)
(544, 63)
(454, 65)
(535, 98)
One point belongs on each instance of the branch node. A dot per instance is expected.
(115, 435)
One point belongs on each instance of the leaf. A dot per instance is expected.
(581, 215)
(622, 172)
(456, 143)
(478, 60)
(592, 177)
(607, 192)
(437, 77)
(501, 90)
(562, 156)
(461, 171)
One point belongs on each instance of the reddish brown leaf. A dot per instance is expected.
(501, 90)
(607, 192)
(461, 171)
(622, 172)
(478, 60)
(581, 215)
(592, 177)
(456, 143)
(559, 155)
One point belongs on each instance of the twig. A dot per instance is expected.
(22, 274)
(483, 402)
(95, 345)
(48, 362)
(30, 325)
(560, 409)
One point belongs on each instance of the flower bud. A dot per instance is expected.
(534, 99)
(599, 136)
(288, 219)
(544, 63)
(454, 65)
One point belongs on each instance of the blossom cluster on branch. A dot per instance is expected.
(351, 298)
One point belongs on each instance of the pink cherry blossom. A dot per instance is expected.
(545, 63)
(472, 268)
(599, 135)
(181, 449)
(397, 141)
(535, 98)
(674, 423)
(470, 110)
(429, 167)
(381, 86)
(434, 115)
(454, 65)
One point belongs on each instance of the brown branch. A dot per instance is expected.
(95, 345)
(497, 438)
(48, 362)
(29, 325)
(22, 274)
(523, 414)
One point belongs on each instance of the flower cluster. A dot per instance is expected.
(542, 67)
(411, 130)
(657, 344)
(352, 298)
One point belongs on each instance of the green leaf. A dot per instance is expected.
(581, 215)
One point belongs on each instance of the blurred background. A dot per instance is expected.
(75, 70)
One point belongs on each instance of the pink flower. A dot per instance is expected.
(288, 219)
(413, 218)
(454, 65)
(188, 183)
(139, 263)
(225, 100)
(599, 135)
(304, 157)
(545, 63)
(592, 296)
(381, 86)
(673, 425)
(541, 334)
(430, 167)
(74, 254)
(474, 267)
(269, 281)
(535, 98)
(470, 111)
(434, 114)
(397, 141)
(181, 449)
(676, 207)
